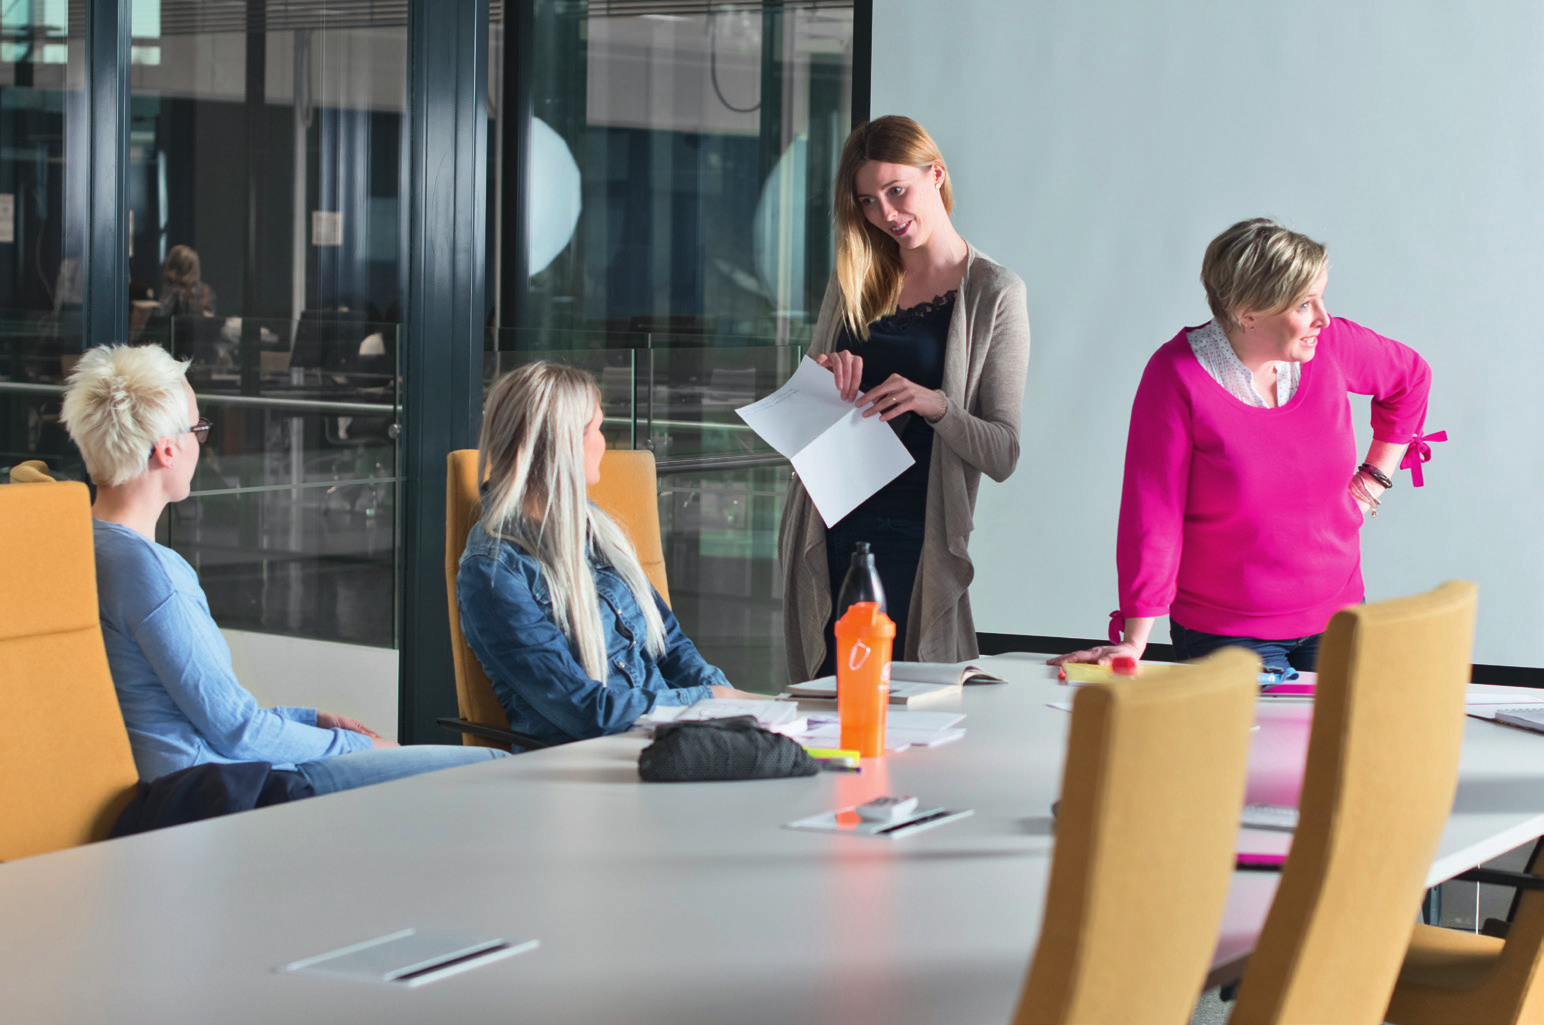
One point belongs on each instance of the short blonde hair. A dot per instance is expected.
(868, 260)
(1258, 266)
(120, 401)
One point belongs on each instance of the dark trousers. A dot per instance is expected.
(896, 545)
(1300, 653)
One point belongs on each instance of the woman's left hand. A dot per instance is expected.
(897, 395)
(1372, 487)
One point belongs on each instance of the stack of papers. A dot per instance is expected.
(778, 716)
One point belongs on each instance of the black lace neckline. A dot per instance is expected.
(921, 311)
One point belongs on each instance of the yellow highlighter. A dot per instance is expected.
(830, 752)
(835, 758)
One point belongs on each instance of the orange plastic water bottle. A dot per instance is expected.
(864, 635)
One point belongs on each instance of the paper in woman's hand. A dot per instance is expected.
(841, 456)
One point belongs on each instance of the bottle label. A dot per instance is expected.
(858, 655)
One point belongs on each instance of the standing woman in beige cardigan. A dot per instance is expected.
(925, 332)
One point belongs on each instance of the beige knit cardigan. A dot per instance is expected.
(985, 358)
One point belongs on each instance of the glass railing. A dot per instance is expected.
(291, 522)
(720, 486)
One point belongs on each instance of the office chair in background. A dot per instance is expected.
(1145, 839)
(31, 471)
(1381, 771)
(627, 492)
(66, 769)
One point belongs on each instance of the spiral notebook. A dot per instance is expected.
(1527, 718)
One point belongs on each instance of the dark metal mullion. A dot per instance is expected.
(105, 312)
(442, 344)
(862, 60)
(516, 108)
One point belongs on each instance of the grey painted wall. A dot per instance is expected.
(1098, 145)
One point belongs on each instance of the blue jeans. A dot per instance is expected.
(383, 764)
(896, 545)
(1300, 653)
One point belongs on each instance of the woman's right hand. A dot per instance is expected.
(846, 368)
(737, 695)
(1102, 655)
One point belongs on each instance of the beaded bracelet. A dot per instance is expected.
(1377, 475)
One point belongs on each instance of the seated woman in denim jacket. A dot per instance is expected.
(553, 600)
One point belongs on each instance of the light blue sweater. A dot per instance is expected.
(172, 670)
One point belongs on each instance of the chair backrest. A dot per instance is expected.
(66, 769)
(1145, 838)
(627, 492)
(474, 691)
(1378, 785)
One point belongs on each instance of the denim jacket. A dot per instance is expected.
(506, 615)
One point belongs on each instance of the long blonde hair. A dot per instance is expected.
(868, 260)
(531, 452)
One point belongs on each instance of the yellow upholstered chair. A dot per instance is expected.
(32, 471)
(1378, 785)
(66, 770)
(1145, 838)
(628, 494)
(1463, 978)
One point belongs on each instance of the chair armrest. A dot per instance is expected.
(478, 729)
(1501, 877)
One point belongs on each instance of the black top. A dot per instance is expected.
(908, 342)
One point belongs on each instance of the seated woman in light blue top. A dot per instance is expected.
(135, 420)
(553, 600)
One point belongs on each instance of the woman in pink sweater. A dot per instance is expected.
(1243, 501)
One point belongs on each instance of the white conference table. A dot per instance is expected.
(667, 903)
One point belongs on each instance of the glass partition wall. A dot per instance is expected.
(675, 239)
(44, 208)
(655, 180)
(264, 163)
(263, 213)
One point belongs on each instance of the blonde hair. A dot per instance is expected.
(868, 260)
(1259, 266)
(531, 452)
(120, 401)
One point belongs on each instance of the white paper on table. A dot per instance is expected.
(897, 738)
(841, 456)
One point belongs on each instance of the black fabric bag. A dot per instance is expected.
(721, 749)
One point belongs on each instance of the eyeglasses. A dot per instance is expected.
(201, 429)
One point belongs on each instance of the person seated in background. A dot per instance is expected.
(553, 600)
(183, 290)
(135, 420)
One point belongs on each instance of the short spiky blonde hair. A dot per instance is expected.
(120, 401)
(1258, 266)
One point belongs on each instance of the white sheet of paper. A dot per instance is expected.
(841, 456)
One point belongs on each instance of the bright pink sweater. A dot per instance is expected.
(1237, 520)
